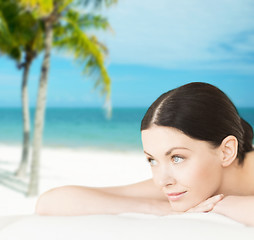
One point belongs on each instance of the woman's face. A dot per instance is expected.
(188, 169)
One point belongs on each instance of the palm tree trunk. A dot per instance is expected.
(21, 172)
(39, 114)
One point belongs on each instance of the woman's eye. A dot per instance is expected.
(151, 161)
(177, 159)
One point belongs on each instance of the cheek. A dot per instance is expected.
(200, 182)
(203, 179)
(156, 177)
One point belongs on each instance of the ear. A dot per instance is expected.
(229, 149)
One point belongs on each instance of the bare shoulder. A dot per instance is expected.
(144, 189)
(58, 196)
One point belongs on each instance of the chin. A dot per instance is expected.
(181, 207)
(187, 202)
(185, 205)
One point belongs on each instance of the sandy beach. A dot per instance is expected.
(67, 166)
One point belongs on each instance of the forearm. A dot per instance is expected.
(239, 208)
(77, 200)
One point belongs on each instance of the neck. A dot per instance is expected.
(235, 180)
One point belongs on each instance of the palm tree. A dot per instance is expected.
(21, 37)
(66, 26)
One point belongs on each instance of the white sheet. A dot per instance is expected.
(131, 226)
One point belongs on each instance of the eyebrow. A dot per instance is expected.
(169, 151)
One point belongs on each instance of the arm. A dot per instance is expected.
(79, 200)
(144, 189)
(239, 208)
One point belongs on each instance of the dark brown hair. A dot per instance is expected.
(203, 112)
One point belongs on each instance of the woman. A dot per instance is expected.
(201, 156)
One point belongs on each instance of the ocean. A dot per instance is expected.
(85, 127)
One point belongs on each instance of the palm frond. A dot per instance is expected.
(40, 7)
(86, 51)
(102, 46)
(64, 4)
(97, 3)
(8, 44)
(87, 21)
(19, 31)
(93, 21)
(4, 30)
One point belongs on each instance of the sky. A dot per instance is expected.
(155, 46)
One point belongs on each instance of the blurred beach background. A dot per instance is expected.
(86, 128)
(156, 46)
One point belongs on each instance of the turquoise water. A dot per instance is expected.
(85, 127)
(68, 127)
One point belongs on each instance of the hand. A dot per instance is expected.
(238, 208)
(207, 205)
(228, 203)
(163, 208)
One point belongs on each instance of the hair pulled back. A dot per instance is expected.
(203, 112)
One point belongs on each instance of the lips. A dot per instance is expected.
(176, 195)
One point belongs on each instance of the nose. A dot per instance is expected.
(164, 177)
